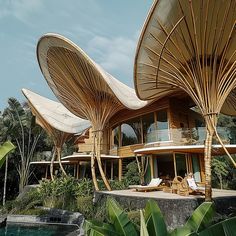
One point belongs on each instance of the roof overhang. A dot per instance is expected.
(216, 149)
(87, 157)
(49, 162)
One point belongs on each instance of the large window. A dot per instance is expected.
(149, 128)
(152, 127)
(131, 132)
(162, 126)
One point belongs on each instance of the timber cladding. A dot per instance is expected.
(126, 151)
(126, 114)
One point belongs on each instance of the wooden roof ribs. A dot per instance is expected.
(195, 46)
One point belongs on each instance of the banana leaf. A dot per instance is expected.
(183, 231)
(143, 227)
(201, 217)
(4, 150)
(119, 219)
(223, 228)
(155, 223)
(94, 228)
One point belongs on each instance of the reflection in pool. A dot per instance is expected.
(14, 229)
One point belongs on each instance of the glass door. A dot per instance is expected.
(196, 168)
(180, 164)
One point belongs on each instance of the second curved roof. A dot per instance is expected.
(55, 114)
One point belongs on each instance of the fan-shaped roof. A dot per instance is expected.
(188, 45)
(55, 114)
(79, 83)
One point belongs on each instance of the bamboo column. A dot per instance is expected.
(98, 137)
(211, 121)
(59, 160)
(94, 178)
(120, 169)
(52, 164)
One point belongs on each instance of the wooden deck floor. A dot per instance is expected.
(162, 195)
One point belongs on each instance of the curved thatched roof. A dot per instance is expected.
(190, 46)
(54, 114)
(80, 84)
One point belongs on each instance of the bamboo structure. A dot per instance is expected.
(190, 46)
(57, 121)
(84, 88)
(142, 167)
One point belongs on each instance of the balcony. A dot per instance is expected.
(189, 136)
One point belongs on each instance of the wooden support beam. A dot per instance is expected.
(151, 166)
(112, 170)
(77, 172)
(105, 167)
(120, 169)
(74, 170)
(174, 164)
(46, 172)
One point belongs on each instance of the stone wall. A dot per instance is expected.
(52, 216)
(175, 211)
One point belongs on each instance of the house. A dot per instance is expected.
(174, 70)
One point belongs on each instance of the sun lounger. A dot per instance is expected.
(189, 186)
(153, 185)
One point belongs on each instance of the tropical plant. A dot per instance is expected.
(154, 219)
(6, 148)
(132, 175)
(219, 168)
(60, 192)
(119, 223)
(19, 126)
(152, 222)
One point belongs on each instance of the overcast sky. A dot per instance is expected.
(107, 30)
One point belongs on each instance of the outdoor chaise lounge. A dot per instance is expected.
(189, 186)
(153, 185)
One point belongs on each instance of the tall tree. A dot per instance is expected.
(20, 127)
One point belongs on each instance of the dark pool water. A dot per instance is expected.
(36, 230)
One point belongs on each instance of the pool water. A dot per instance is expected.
(37, 230)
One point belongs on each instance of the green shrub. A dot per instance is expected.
(84, 188)
(132, 175)
(85, 206)
(59, 193)
(28, 201)
(34, 211)
(119, 185)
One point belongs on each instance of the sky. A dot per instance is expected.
(107, 30)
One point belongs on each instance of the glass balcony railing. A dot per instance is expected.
(190, 136)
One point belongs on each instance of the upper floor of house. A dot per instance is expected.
(166, 122)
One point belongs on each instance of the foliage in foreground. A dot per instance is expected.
(65, 193)
(18, 125)
(152, 222)
(5, 148)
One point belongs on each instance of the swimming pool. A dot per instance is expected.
(14, 229)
